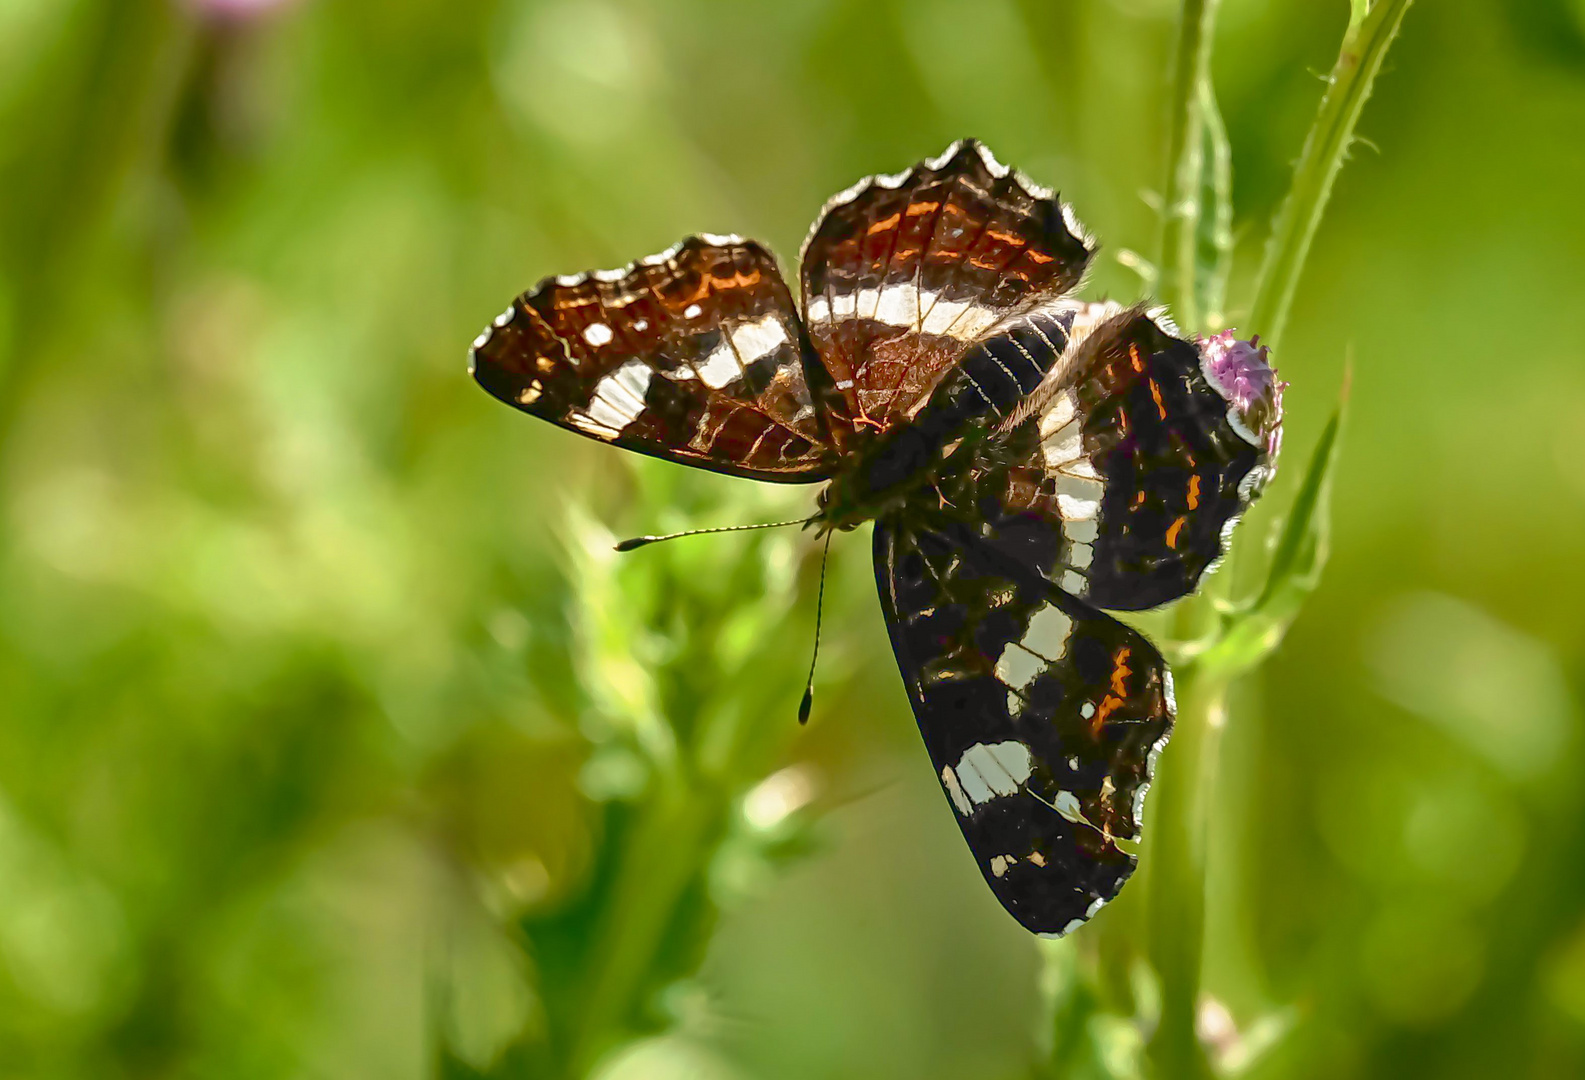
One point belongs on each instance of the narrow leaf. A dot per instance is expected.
(1296, 564)
(1214, 228)
(1181, 210)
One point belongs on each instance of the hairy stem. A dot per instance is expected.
(1370, 33)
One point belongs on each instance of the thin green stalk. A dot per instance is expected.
(1180, 224)
(1176, 886)
(1370, 33)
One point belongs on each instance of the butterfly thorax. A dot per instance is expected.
(879, 479)
(924, 466)
(929, 462)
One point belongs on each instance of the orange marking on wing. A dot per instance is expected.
(1155, 392)
(1134, 358)
(1119, 690)
(1194, 491)
(737, 279)
(883, 225)
(1109, 705)
(1038, 256)
(1172, 533)
(573, 300)
(1139, 499)
(915, 209)
(700, 291)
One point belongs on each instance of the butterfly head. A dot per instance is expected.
(837, 509)
(1240, 371)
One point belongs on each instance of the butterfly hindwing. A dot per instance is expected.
(1042, 717)
(901, 272)
(696, 355)
(1121, 476)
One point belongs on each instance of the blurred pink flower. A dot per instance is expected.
(236, 10)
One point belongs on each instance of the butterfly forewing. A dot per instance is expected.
(696, 355)
(901, 273)
(1042, 717)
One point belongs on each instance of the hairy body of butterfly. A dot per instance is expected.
(1028, 459)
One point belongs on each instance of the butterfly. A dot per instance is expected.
(1029, 460)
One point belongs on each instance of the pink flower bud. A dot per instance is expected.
(1240, 372)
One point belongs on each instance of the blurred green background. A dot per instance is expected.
(319, 694)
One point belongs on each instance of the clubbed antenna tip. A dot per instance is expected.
(639, 541)
(808, 701)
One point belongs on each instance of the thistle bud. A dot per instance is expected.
(1240, 372)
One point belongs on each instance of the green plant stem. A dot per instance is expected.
(1370, 33)
(661, 856)
(1185, 159)
(1176, 885)
(1176, 888)
(1214, 244)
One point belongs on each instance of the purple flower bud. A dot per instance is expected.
(1239, 371)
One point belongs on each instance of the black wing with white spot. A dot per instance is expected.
(1042, 717)
(695, 355)
(1121, 476)
(901, 273)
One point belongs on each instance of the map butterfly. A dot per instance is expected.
(1029, 460)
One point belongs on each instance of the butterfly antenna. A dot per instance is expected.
(640, 541)
(808, 701)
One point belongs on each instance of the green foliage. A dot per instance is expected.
(336, 741)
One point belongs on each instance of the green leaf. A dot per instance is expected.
(1296, 564)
